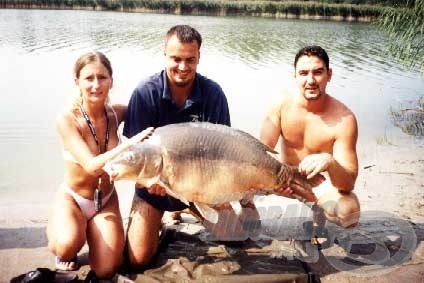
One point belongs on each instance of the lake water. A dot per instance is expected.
(250, 57)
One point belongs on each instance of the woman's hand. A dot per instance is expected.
(141, 136)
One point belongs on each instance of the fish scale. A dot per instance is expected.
(207, 164)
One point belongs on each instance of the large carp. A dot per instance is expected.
(207, 164)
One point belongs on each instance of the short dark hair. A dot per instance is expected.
(313, 50)
(185, 34)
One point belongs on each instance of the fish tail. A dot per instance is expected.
(289, 176)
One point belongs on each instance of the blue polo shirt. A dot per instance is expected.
(151, 105)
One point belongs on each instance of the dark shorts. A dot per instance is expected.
(166, 203)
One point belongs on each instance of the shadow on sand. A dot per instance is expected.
(382, 246)
(23, 238)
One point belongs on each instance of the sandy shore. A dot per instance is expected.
(390, 183)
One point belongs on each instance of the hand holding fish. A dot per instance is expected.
(208, 164)
(141, 136)
(313, 164)
(157, 189)
(221, 207)
(285, 192)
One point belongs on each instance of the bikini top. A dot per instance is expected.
(67, 156)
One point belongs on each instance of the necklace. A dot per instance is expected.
(93, 131)
(98, 192)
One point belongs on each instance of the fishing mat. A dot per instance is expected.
(184, 257)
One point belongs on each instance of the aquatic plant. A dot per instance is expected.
(405, 27)
(410, 118)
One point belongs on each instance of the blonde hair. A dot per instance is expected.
(82, 61)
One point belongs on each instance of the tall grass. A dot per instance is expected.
(326, 9)
(406, 29)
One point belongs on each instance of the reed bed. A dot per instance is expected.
(326, 9)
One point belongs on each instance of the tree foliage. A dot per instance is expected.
(405, 27)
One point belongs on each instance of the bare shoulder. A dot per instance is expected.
(120, 110)
(67, 123)
(340, 111)
(65, 118)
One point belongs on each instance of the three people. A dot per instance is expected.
(86, 207)
(318, 135)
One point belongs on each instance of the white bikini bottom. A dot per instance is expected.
(86, 205)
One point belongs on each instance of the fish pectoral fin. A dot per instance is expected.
(207, 212)
(170, 192)
(236, 206)
(147, 182)
(269, 149)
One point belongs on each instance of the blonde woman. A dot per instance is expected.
(86, 207)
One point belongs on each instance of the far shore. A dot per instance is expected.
(267, 9)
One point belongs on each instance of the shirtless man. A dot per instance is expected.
(318, 134)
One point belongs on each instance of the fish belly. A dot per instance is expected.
(214, 164)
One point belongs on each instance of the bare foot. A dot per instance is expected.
(62, 264)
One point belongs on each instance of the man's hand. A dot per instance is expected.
(313, 164)
(285, 192)
(221, 207)
(157, 189)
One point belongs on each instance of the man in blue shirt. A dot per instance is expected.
(177, 94)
